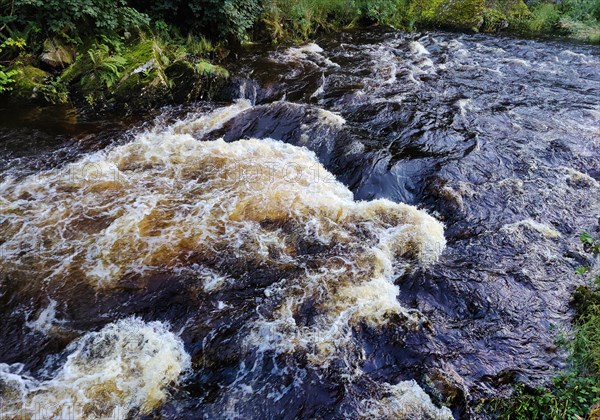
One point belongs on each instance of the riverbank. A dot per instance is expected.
(574, 392)
(140, 55)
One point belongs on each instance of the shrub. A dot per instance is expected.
(502, 14)
(54, 91)
(106, 68)
(214, 18)
(303, 18)
(582, 10)
(545, 17)
(494, 20)
(569, 397)
(78, 17)
(388, 12)
(225, 18)
(6, 79)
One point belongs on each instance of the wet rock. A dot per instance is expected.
(139, 90)
(190, 81)
(252, 90)
(183, 76)
(446, 387)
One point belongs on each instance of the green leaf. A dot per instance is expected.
(586, 238)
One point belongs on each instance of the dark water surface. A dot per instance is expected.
(271, 289)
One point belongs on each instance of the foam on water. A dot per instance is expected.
(405, 400)
(294, 295)
(310, 53)
(417, 48)
(167, 202)
(213, 120)
(46, 319)
(166, 197)
(124, 368)
(544, 229)
(578, 177)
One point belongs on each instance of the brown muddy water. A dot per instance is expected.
(375, 225)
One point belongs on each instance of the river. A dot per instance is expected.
(375, 225)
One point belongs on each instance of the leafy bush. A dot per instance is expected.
(578, 19)
(494, 20)
(6, 79)
(230, 19)
(303, 18)
(54, 91)
(78, 17)
(460, 14)
(545, 17)
(394, 13)
(453, 14)
(582, 10)
(569, 397)
(106, 68)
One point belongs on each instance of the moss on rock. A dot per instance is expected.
(206, 69)
(452, 14)
(144, 82)
(494, 20)
(462, 14)
(502, 14)
(29, 82)
(141, 91)
(56, 54)
(190, 81)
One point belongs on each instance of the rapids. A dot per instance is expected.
(376, 225)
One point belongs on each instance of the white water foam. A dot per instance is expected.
(405, 400)
(126, 367)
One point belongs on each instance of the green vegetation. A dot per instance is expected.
(97, 52)
(7, 77)
(574, 393)
(104, 54)
(217, 19)
(284, 20)
(579, 19)
(302, 19)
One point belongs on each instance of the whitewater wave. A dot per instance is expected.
(124, 368)
(216, 211)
